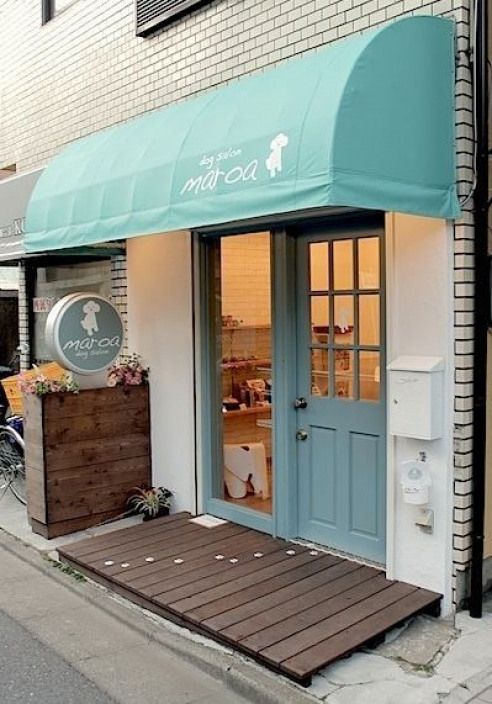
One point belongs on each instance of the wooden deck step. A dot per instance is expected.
(291, 608)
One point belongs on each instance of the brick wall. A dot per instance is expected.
(86, 70)
(23, 320)
(119, 292)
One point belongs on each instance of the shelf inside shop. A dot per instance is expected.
(247, 364)
(253, 410)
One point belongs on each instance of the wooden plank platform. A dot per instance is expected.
(291, 608)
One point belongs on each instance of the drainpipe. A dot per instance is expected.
(482, 305)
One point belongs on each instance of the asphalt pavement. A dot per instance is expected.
(31, 672)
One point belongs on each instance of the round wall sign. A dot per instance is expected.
(84, 333)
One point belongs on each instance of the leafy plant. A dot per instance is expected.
(149, 501)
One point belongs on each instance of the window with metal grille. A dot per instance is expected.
(154, 14)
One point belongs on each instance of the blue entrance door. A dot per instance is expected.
(340, 392)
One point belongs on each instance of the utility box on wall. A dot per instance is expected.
(416, 397)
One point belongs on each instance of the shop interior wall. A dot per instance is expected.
(420, 322)
(160, 328)
(246, 278)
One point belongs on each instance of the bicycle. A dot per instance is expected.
(12, 463)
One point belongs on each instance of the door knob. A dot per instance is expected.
(300, 402)
(301, 435)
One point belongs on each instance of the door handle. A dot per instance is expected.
(300, 402)
(301, 434)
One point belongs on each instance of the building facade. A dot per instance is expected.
(85, 69)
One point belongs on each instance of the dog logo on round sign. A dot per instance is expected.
(89, 321)
(84, 333)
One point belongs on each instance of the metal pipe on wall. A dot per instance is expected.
(482, 309)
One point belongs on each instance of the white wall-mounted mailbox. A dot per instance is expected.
(416, 397)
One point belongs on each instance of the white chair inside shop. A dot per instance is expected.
(243, 463)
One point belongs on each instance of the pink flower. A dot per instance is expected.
(129, 372)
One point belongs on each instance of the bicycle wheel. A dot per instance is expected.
(12, 464)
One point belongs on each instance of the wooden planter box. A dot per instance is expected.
(84, 452)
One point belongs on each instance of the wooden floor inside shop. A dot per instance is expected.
(289, 607)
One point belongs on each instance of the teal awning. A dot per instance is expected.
(366, 123)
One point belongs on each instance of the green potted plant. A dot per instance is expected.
(151, 502)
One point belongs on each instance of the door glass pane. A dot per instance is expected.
(320, 373)
(369, 319)
(244, 345)
(369, 262)
(318, 266)
(343, 264)
(319, 319)
(344, 320)
(369, 376)
(344, 374)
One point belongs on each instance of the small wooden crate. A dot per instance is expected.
(13, 393)
(51, 370)
(84, 453)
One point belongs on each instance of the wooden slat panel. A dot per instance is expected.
(202, 563)
(163, 552)
(92, 401)
(311, 660)
(324, 628)
(251, 617)
(251, 595)
(88, 546)
(88, 452)
(202, 591)
(70, 430)
(302, 620)
(98, 474)
(151, 541)
(73, 479)
(293, 613)
(33, 426)
(36, 494)
(72, 525)
(88, 503)
(249, 574)
(34, 454)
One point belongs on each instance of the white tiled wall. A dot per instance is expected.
(246, 278)
(86, 69)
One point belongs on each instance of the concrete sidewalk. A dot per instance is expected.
(427, 662)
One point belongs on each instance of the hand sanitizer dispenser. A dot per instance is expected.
(416, 397)
(415, 482)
